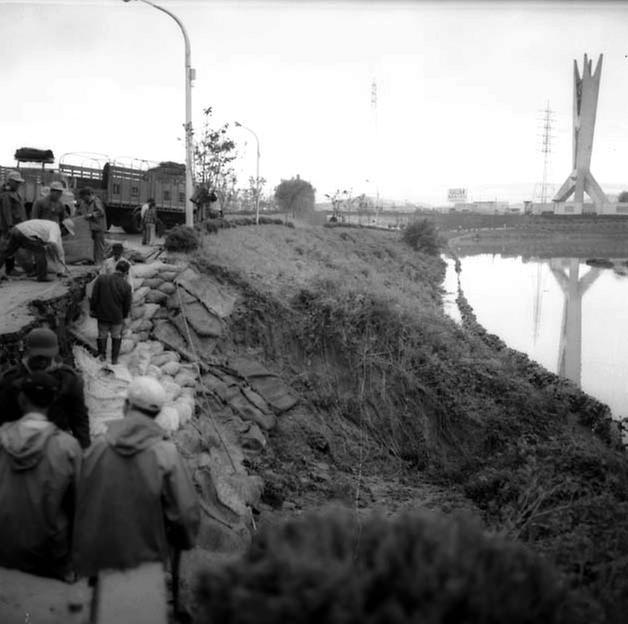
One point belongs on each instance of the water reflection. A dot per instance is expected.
(567, 316)
(566, 272)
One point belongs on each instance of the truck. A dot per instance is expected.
(37, 178)
(124, 188)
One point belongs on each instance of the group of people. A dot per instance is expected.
(41, 234)
(72, 506)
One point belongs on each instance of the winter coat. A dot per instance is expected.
(111, 298)
(94, 212)
(68, 411)
(12, 210)
(47, 208)
(39, 466)
(134, 498)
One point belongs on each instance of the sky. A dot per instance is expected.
(460, 88)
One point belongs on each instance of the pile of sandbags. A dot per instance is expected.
(153, 285)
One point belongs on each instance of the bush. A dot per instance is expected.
(181, 238)
(422, 236)
(335, 567)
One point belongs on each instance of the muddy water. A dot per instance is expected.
(569, 317)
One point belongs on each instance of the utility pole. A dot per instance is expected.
(546, 149)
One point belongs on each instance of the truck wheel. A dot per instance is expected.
(133, 223)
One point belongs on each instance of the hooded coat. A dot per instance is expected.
(135, 498)
(39, 466)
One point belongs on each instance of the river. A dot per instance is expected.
(569, 317)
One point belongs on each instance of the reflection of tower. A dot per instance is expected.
(570, 348)
(585, 94)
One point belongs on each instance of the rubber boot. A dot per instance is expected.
(102, 348)
(115, 349)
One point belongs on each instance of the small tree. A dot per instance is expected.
(422, 236)
(623, 197)
(296, 196)
(214, 154)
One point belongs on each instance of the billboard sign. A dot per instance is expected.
(457, 195)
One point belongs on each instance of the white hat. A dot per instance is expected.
(56, 186)
(15, 175)
(147, 394)
(69, 226)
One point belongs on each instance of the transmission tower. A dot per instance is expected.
(375, 176)
(546, 149)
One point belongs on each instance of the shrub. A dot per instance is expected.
(418, 567)
(422, 236)
(181, 238)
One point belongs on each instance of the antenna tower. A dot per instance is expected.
(376, 144)
(546, 150)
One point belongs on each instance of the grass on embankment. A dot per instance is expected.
(353, 318)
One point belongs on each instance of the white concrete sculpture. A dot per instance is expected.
(585, 95)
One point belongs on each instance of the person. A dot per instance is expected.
(39, 467)
(40, 236)
(110, 304)
(145, 207)
(51, 207)
(12, 212)
(92, 208)
(149, 223)
(68, 410)
(109, 265)
(135, 497)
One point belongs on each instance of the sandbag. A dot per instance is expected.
(138, 311)
(126, 346)
(168, 418)
(156, 296)
(168, 287)
(153, 282)
(151, 269)
(143, 325)
(142, 336)
(168, 276)
(173, 390)
(154, 371)
(161, 313)
(150, 309)
(140, 294)
(185, 410)
(138, 282)
(189, 393)
(155, 347)
(185, 379)
(164, 357)
(171, 368)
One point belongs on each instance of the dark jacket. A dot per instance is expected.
(68, 410)
(134, 498)
(47, 208)
(12, 210)
(94, 212)
(39, 467)
(111, 298)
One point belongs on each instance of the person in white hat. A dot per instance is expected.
(135, 496)
(51, 207)
(12, 212)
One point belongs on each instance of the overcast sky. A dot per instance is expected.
(460, 87)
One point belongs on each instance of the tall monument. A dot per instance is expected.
(580, 180)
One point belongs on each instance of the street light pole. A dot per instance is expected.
(257, 189)
(190, 75)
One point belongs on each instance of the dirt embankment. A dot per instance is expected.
(402, 407)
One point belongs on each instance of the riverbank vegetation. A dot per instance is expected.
(403, 408)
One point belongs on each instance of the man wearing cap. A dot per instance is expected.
(92, 208)
(39, 467)
(135, 496)
(40, 236)
(51, 207)
(110, 303)
(68, 410)
(12, 212)
(109, 265)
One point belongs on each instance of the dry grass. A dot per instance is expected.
(283, 261)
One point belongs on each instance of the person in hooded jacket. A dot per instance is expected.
(39, 466)
(68, 410)
(135, 497)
